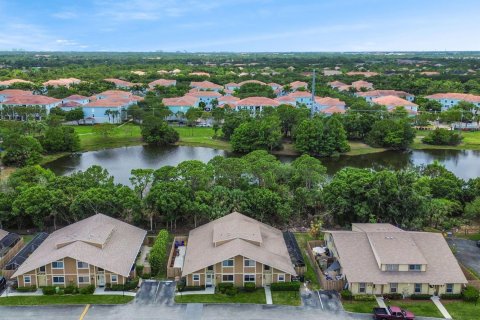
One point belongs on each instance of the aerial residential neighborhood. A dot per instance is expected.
(223, 160)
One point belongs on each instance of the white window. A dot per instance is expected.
(227, 278)
(393, 287)
(281, 278)
(57, 264)
(82, 265)
(248, 278)
(114, 278)
(196, 277)
(362, 287)
(249, 263)
(228, 263)
(392, 267)
(418, 288)
(58, 280)
(415, 267)
(83, 279)
(27, 280)
(449, 288)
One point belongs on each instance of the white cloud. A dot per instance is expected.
(65, 15)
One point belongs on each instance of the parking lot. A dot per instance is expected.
(467, 253)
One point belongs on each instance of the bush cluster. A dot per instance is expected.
(249, 287)
(451, 296)
(393, 296)
(285, 286)
(470, 294)
(443, 137)
(364, 297)
(346, 294)
(87, 290)
(27, 289)
(231, 291)
(49, 291)
(419, 296)
(222, 287)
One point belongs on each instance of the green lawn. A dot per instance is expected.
(200, 137)
(288, 298)
(28, 237)
(419, 308)
(359, 148)
(359, 306)
(302, 238)
(460, 310)
(76, 299)
(471, 141)
(257, 297)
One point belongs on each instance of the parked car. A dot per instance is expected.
(392, 313)
(3, 283)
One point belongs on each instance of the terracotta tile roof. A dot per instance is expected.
(162, 83)
(71, 104)
(62, 82)
(204, 94)
(362, 83)
(15, 92)
(185, 101)
(298, 84)
(99, 240)
(121, 83)
(335, 84)
(273, 84)
(30, 100)
(234, 235)
(109, 102)
(285, 99)
(327, 101)
(232, 84)
(228, 98)
(139, 72)
(75, 97)
(252, 81)
(393, 101)
(7, 83)
(333, 109)
(258, 101)
(453, 96)
(205, 85)
(381, 93)
(300, 94)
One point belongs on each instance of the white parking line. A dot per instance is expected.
(321, 303)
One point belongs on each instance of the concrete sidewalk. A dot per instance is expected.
(268, 295)
(441, 307)
(380, 302)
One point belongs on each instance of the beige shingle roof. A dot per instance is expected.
(238, 233)
(99, 240)
(357, 256)
(3, 233)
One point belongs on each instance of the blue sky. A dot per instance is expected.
(239, 25)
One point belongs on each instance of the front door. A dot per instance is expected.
(268, 279)
(209, 280)
(101, 280)
(42, 280)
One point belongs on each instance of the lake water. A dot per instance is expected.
(120, 161)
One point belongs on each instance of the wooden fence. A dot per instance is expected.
(336, 285)
(172, 272)
(11, 253)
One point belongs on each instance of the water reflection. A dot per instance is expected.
(120, 161)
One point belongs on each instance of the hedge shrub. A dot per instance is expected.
(451, 296)
(158, 256)
(364, 297)
(49, 291)
(285, 286)
(231, 291)
(27, 289)
(70, 289)
(90, 289)
(139, 270)
(249, 287)
(146, 276)
(470, 294)
(191, 288)
(393, 296)
(346, 294)
(418, 296)
(222, 287)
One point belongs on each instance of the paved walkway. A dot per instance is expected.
(13, 293)
(440, 307)
(380, 302)
(268, 295)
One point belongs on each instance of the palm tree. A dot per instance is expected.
(108, 112)
(115, 114)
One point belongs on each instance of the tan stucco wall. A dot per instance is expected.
(403, 288)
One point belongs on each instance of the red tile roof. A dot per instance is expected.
(228, 99)
(71, 104)
(300, 94)
(453, 96)
(205, 85)
(15, 92)
(298, 84)
(201, 74)
(12, 81)
(327, 101)
(62, 82)
(30, 100)
(362, 73)
(252, 81)
(121, 83)
(258, 101)
(333, 109)
(162, 83)
(335, 84)
(204, 94)
(75, 97)
(393, 101)
(381, 93)
(186, 101)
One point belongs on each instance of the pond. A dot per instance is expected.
(120, 161)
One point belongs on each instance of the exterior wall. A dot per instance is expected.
(406, 289)
(98, 114)
(71, 273)
(238, 271)
(448, 103)
(176, 109)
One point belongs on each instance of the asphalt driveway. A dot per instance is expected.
(156, 292)
(467, 253)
